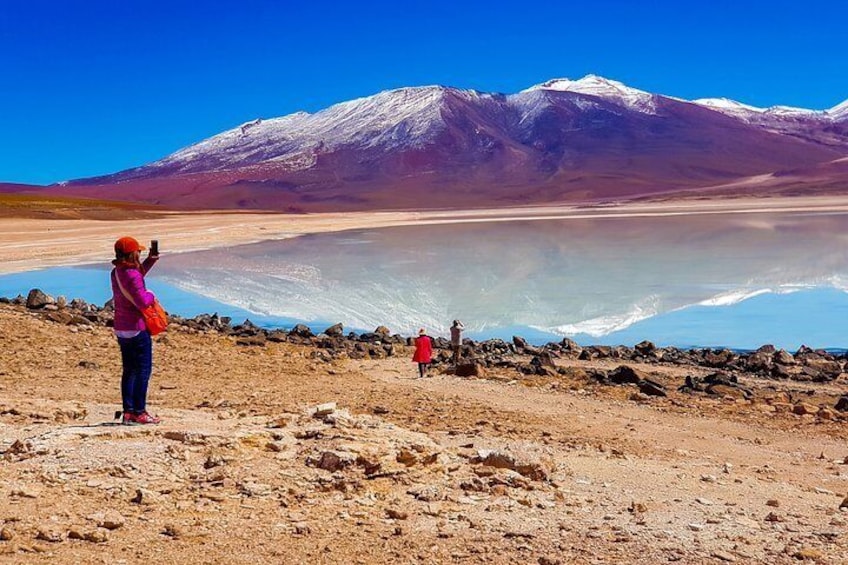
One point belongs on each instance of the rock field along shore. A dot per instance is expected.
(322, 446)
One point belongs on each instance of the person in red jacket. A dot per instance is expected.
(423, 352)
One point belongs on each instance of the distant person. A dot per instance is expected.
(130, 296)
(423, 352)
(456, 339)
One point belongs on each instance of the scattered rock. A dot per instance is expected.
(50, 533)
(6, 534)
(807, 553)
(96, 536)
(336, 330)
(406, 457)
(146, 497)
(24, 492)
(37, 299)
(112, 520)
(396, 514)
(501, 460)
(173, 531)
(332, 461)
(470, 368)
(324, 410)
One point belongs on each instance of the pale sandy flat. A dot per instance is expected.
(27, 244)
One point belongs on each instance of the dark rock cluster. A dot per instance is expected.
(806, 364)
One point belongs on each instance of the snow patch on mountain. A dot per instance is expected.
(611, 90)
(755, 114)
(840, 111)
(403, 118)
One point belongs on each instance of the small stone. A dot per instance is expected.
(146, 497)
(112, 520)
(51, 534)
(25, 492)
(773, 503)
(395, 514)
(173, 531)
(704, 501)
(637, 507)
(324, 409)
(772, 517)
(708, 478)
(406, 457)
(96, 536)
(331, 461)
(844, 503)
(806, 553)
(696, 527)
(724, 556)
(6, 534)
(302, 528)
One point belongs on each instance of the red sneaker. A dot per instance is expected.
(145, 418)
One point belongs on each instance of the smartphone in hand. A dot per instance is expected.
(154, 247)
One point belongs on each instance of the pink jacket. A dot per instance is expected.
(127, 315)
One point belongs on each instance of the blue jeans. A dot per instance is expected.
(137, 358)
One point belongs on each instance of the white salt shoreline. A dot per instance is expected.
(32, 244)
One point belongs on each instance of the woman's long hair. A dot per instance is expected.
(127, 260)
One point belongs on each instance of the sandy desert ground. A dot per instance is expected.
(504, 468)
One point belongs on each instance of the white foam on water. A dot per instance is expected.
(603, 325)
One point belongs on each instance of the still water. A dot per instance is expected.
(738, 280)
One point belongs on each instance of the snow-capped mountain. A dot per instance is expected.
(436, 146)
(600, 87)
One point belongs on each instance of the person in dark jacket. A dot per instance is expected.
(130, 296)
(456, 339)
(423, 352)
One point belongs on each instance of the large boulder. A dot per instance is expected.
(336, 330)
(469, 368)
(645, 348)
(38, 299)
(301, 330)
(624, 374)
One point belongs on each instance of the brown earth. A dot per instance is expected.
(502, 469)
(52, 207)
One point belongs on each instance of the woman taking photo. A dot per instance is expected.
(131, 296)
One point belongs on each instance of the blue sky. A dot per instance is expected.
(96, 86)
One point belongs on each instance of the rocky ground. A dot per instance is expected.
(284, 447)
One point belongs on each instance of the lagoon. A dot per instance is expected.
(736, 280)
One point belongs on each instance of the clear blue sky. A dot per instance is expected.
(91, 87)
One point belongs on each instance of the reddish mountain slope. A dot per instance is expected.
(437, 147)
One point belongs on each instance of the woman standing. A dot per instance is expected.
(131, 296)
(423, 352)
